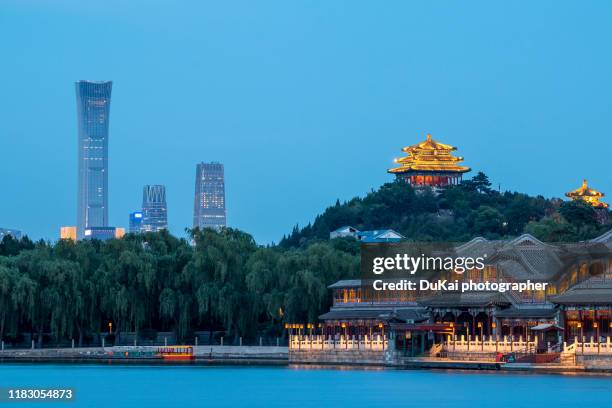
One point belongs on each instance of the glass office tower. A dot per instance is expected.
(209, 205)
(93, 109)
(154, 209)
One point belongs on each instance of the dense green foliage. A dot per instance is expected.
(155, 281)
(457, 213)
(226, 282)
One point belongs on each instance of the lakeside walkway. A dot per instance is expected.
(269, 354)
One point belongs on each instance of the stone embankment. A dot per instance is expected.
(205, 354)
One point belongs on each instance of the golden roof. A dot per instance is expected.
(429, 155)
(587, 195)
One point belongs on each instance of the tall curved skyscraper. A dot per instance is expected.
(93, 110)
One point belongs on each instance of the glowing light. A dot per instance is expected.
(587, 195)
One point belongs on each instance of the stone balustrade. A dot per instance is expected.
(320, 342)
(490, 344)
(590, 347)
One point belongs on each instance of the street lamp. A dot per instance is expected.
(479, 325)
(596, 326)
(110, 327)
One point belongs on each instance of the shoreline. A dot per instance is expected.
(252, 358)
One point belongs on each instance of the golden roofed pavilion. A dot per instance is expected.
(588, 195)
(430, 163)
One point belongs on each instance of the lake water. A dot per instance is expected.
(220, 386)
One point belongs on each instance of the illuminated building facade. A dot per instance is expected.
(68, 233)
(573, 314)
(588, 195)
(429, 163)
(119, 232)
(135, 225)
(154, 208)
(209, 204)
(93, 110)
(592, 197)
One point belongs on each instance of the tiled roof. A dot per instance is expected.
(532, 312)
(465, 299)
(590, 292)
(405, 314)
(347, 283)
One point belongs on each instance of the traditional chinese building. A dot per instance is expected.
(588, 195)
(430, 163)
(591, 197)
(574, 309)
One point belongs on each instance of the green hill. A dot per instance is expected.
(456, 213)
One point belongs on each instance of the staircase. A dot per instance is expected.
(436, 350)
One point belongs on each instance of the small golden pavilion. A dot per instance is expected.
(588, 195)
(430, 163)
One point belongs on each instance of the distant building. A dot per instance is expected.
(135, 226)
(119, 232)
(429, 164)
(386, 235)
(9, 231)
(154, 208)
(209, 204)
(93, 110)
(343, 232)
(101, 233)
(591, 197)
(383, 235)
(68, 233)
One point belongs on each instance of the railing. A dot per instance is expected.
(319, 342)
(490, 345)
(591, 347)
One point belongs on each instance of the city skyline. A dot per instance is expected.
(303, 105)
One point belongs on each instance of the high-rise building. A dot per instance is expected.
(93, 109)
(136, 222)
(68, 233)
(209, 203)
(154, 209)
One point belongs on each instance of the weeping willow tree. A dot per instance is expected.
(156, 282)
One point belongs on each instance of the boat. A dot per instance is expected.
(176, 353)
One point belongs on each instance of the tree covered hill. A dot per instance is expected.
(457, 213)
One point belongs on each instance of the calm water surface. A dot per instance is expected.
(211, 386)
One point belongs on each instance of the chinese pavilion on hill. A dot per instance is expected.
(430, 163)
(587, 195)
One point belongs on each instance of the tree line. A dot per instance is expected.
(155, 281)
(222, 281)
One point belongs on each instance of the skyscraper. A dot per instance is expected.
(93, 109)
(154, 209)
(209, 205)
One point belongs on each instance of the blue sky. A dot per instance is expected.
(303, 101)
